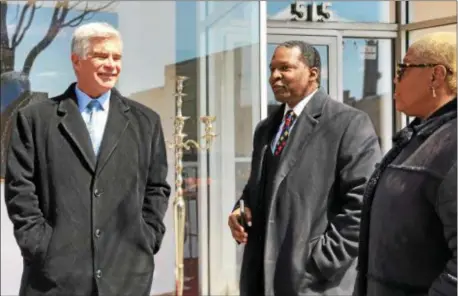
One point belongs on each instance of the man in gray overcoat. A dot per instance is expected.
(311, 160)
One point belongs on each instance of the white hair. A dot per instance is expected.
(83, 35)
(438, 48)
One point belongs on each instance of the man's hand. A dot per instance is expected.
(238, 232)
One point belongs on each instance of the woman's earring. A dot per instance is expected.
(434, 92)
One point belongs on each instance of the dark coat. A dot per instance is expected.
(408, 228)
(312, 228)
(84, 225)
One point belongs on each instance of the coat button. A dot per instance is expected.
(98, 273)
(97, 193)
(98, 233)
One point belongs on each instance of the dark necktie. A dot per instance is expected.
(290, 117)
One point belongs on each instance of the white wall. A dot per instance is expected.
(148, 31)
(11, 260)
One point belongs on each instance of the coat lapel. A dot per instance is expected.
(271, 125)
(117, 123)
(297, 142)
(74, 129)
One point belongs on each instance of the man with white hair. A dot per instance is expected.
(85, 185)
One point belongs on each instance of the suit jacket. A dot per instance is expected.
(313, 214)
(85, 224)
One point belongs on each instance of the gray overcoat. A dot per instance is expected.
(313, 215)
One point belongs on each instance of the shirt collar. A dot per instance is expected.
(84, 99)
(301, 105)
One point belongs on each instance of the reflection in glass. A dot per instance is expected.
(32, 66)
(191, 242)
(162, 39)
(417, 34)
(245, 79)
(233, 96)
(428, 10)
(367, 82)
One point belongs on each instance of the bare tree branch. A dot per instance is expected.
(62, 4)
(76, 3)
(86, 14)
(19, 25)
(17, 12)
(58, 23)
(26, 28)
(39, 6)
(77, 21)
(18, 35)
(4, 39)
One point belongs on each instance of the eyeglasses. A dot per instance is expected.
(403, 66)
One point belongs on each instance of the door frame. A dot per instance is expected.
(330, 38)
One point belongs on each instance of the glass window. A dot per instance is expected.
(35, 62)
(416, 34)
(216, 45)
(333, 11)
(220, 8)
(367, 82)
(246, 79)
(428, 10)
(233, 96)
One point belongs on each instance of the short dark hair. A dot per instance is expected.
(309, 54)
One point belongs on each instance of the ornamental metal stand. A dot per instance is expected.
(179, 204)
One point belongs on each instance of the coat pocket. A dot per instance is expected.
(43, 257)
(149, 236)
(312, 273)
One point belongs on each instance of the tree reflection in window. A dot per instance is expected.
(28, 29)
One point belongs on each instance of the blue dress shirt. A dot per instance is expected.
(99, 118)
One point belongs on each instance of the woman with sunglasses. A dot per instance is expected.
(408, 228)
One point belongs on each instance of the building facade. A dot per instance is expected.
(224, 47)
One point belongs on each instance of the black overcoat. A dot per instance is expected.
(84, 224)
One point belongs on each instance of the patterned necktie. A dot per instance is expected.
(92, 109)
(290, 117)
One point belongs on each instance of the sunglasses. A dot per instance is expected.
(402, 67)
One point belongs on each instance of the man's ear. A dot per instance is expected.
(314, 74)
(75, 60)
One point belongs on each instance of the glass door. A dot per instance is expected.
(229, 90)
(327, 47)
